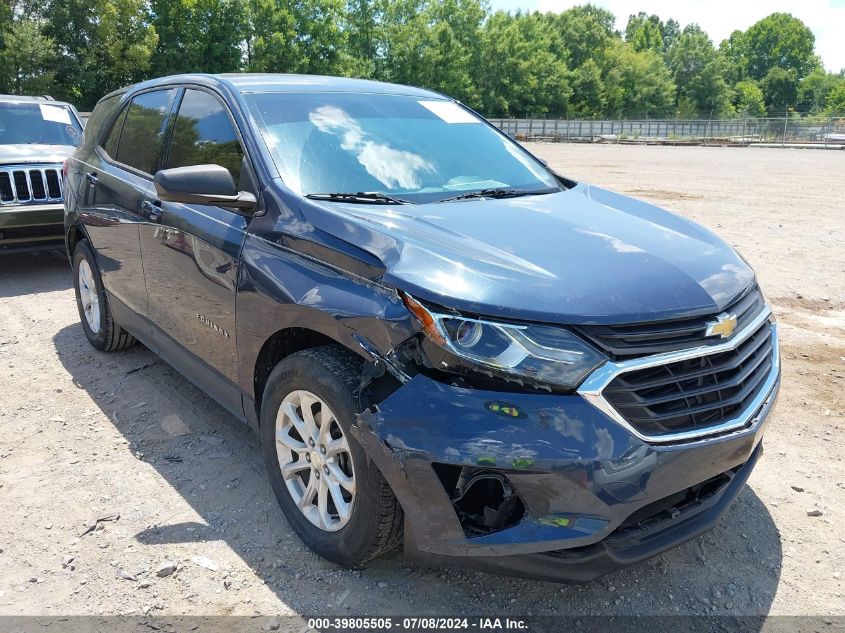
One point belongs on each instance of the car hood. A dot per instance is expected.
(584, 255)
(34, 153)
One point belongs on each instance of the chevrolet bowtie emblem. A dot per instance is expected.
(723, 326)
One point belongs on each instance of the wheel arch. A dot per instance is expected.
(74, 234)
(282, 344)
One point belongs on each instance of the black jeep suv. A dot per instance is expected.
(433, 333)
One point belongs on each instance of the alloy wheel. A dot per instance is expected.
(88, 296)
(315, 460)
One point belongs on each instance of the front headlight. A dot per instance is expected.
(538, 353)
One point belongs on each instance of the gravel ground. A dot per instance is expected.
(125, 490)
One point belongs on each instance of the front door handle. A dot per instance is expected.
(91, 177)
(151, 210)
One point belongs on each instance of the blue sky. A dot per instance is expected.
(826, 18)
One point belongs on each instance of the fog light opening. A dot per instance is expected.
(484, 500)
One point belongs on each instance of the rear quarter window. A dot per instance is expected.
(113, 138)
(99, 117)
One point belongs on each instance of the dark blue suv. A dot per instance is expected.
(436, 336)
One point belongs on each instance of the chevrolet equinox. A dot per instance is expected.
(439, 340)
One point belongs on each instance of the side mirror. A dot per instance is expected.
(202, 184)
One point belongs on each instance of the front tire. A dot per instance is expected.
(93, 304)
(333, 497)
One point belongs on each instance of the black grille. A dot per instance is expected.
(7, 194)
(36, 179)
(21, 186)
(691, 395)
(54, 187)
(641, 339)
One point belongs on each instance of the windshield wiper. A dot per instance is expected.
(499, 192)
(361, 197)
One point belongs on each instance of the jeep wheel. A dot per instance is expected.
(93, 304)
(333, 497)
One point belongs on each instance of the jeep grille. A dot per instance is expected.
(30, 185)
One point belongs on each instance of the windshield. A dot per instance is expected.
(46, 123)
(420, 150)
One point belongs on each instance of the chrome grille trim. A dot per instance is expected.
(632, 340)
(16, 184)
(593, 386)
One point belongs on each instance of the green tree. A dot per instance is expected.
(588, 94)
(26, 59)
(432, 43)
(101, 45)
(586, 32)
(780, 89)
(748, 99)
(198, 35)
(124, 41)
(70, 25)
(5, 22)
(521, 75)
(779, 41)
(523, 64)
(296, 37)
(362, 20)
(698, 72)
(272, 38)
(670, 31)
(734, 51)
(644, 32)
(638, 83)
(813, 90)
(835, 104)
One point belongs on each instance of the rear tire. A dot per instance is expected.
(327, 379)
(93, 304)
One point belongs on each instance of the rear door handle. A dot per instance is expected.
(91, 178)
(151, 210)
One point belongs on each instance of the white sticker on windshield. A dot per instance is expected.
(55, 113)
(449, 111)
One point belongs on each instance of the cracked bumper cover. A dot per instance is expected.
(579, 474)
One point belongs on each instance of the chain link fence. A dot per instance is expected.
(822, 132)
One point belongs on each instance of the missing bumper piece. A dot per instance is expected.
(484, 500)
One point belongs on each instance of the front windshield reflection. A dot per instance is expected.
(395, 169)
(403, 146)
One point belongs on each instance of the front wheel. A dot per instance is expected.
(93, 304)
(334, 498)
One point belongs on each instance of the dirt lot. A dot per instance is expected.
(87, 436)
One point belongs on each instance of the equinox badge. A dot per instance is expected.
(206, 321)
(723, 326)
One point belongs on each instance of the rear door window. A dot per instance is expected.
(113, 137)
(204, 135)
(143, 130)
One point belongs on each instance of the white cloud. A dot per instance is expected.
(720, 17)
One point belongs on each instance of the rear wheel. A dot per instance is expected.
(334, 498)
(93, 304)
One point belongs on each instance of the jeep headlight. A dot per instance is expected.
(537, 353)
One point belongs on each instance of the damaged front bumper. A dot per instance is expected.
(544, 485)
